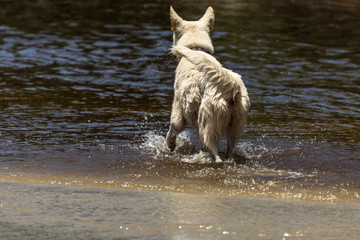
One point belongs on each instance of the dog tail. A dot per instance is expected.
(223, 82)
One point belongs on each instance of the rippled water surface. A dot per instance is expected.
(86, 89)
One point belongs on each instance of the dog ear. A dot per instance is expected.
(209, 19)
(175, 20)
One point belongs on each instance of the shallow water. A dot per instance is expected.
(86, 92)
(68, 212)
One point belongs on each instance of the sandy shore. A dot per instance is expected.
(41, 211)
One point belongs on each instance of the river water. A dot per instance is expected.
(85, 97)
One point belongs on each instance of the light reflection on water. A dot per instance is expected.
(86, 92)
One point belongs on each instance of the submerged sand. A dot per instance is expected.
(58, 211)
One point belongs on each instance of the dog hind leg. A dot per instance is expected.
(213, 120)
(177, 125)
(210, 140)
(234, 130)
(232, 138)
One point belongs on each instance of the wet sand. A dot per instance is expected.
(42, 211)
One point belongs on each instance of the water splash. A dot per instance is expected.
(270, 168)
(188, 150)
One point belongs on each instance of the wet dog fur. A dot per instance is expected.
(207, 96)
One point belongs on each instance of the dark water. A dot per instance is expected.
(86, 90)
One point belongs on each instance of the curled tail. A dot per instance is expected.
(226, 83)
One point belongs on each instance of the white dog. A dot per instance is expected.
(207, 96)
